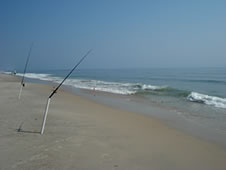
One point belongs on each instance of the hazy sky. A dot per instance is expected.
(122, 34)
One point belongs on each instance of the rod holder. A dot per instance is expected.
(21, 87)
(45, 115)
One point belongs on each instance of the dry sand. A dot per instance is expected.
(84, 135)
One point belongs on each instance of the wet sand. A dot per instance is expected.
(82, 134)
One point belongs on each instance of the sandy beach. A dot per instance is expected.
(82, 134)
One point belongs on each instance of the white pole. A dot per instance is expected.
(45, 116)
(21, 87)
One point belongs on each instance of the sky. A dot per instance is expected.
(122, 33)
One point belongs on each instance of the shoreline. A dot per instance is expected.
(198, 124)
(188, 122)
(83, 134)
(172, 117)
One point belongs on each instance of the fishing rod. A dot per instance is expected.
(55, 90)
(25, 69)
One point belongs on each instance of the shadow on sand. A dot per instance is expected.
(27, 131)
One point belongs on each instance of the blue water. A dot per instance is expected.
(201, 85)
(211, 81)
(173, 87)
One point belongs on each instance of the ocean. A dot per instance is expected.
(194, 99)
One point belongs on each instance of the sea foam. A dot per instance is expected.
(206, 99)
(126, 88)
(105, 86)
(151, 87)
(44, 77)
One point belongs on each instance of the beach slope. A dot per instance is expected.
(82, 134)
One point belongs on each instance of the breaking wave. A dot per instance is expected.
(208, 100)
(131, 88)
(112, 87)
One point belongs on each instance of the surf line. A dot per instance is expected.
(25, 69)
(55, 90)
